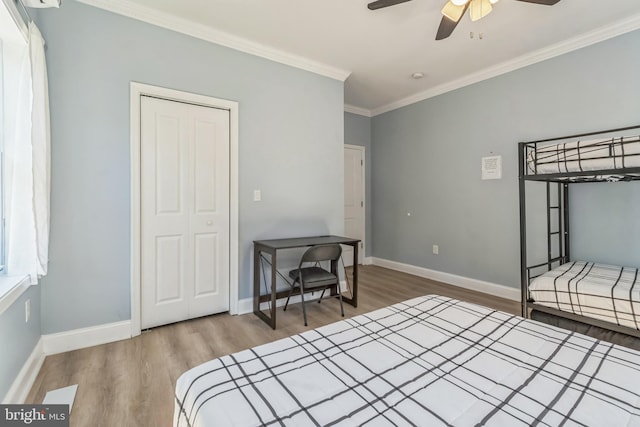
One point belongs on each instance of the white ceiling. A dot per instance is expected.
(381, 49)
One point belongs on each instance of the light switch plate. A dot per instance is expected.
(257, 195)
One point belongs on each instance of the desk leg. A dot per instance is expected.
(354, 278)
(334, 290)
(256, 279)
(257, 269)
(355, 274)
(273, 289)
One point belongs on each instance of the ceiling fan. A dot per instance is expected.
(454, 10)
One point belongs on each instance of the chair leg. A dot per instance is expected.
(321, 295)
(340, 298)
(288, 297)
(304, 311)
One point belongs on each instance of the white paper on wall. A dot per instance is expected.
(492, 167)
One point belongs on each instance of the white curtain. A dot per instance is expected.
(41, 146)
(27, 166)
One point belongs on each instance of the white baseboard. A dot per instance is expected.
(59, 343)
(368, 260)
(86, 337)
(245, 306)
(26, 377)
(452, 279)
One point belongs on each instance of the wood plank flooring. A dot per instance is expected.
(131, 382)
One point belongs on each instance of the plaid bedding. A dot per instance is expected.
(599, 291)
(427, 361)
(579, 156)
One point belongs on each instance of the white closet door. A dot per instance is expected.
(353, 201)
(184, 211)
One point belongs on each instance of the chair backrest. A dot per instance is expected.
(321, 253)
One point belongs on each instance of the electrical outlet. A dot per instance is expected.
(27, 310)
(257, 195)
(436, 250)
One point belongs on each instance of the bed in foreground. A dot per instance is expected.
(428, 361)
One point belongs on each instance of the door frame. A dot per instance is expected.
(137, 90)
(364, 197)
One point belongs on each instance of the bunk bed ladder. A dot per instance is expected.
(566, 254)
(557, 209)
(550, 233)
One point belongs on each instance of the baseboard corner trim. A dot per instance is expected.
(494, 289)
(86, 337)
(22, 384)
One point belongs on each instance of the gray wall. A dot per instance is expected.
(290, 147)
(17, 337)
(603, 223)
(357, 131)
(427, 161)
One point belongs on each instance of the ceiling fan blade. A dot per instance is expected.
(384, 3)
(545, 2)
(448, 25)
(446, 28)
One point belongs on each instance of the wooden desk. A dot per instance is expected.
(271, 247)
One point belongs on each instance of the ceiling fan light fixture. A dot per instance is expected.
(452, 11)
(479, 9)
(459, 2)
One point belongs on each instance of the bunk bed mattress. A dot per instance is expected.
(427, 361)
(579, 156)
(599, 291)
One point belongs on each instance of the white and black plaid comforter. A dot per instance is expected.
(599, 291)
(580, 156)
(428, 361)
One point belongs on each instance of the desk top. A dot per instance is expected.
(300, 242)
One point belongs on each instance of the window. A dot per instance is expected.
(13, 46)
(26, 146)
(2, 127)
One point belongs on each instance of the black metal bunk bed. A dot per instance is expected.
(560, 162)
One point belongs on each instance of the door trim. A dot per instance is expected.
(364, 198)
(137, 90)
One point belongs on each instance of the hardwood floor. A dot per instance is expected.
(131, 382)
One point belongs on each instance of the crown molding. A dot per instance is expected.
(203, 32)
(348, 108)
(592, 37)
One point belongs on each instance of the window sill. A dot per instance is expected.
(11, 287)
